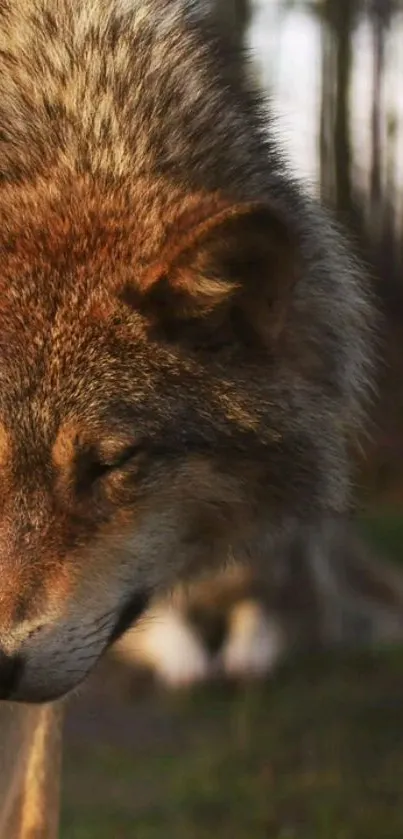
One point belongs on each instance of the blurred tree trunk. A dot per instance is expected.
(344, 13)
(327, 120)
(335, 142)
(383, 176)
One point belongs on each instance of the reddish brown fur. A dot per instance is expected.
(183, 338)
(78, 234)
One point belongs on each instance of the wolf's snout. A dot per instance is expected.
(15, 644)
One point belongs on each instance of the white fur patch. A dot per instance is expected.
(254, 644)
(170, 646)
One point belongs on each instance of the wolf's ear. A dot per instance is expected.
(228, 275)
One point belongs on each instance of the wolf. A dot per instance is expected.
(185, 336)
(185, 339)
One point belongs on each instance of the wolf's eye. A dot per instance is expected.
(100, 462)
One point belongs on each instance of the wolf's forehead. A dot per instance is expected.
(37, 339)
(71, 368)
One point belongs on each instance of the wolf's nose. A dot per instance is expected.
(10, 669)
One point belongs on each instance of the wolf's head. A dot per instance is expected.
(174, 387)
(183, 339)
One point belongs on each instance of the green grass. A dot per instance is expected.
(385, 531)
(316, 754)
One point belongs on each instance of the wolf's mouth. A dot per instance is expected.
(129, 613)
(41, 674)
